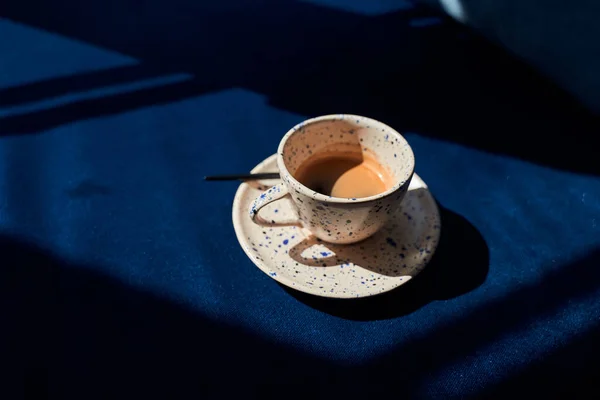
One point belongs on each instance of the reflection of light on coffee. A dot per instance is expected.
(317, 252)
(344, 174)
(455, 9)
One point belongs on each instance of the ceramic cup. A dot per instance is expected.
(335, 219)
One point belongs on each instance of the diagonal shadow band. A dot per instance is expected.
(92, 108)
(569, 372)
(67, 329)
(441, 81)
(488, 322)
(81, 82)
(86, 329)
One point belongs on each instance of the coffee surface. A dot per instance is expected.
(348, 175)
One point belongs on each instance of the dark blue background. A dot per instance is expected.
(120, 272)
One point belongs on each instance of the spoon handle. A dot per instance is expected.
(243, 177)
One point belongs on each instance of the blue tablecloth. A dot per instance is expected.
(120, 273)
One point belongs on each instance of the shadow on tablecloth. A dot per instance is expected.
(459, 265)
(413, 69)
(69, 332)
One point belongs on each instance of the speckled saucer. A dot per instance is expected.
(295, 258)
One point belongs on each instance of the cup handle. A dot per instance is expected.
(275, 193)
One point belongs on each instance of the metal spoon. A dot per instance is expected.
(243, 177)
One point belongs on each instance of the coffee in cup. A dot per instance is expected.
(348, 175)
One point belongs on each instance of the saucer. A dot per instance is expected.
(295, 258)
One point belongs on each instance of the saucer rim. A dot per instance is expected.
(237, 227)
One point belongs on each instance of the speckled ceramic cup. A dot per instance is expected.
(335, 219)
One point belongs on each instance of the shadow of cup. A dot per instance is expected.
(314, 252)
(385, 253)
(452, 271)
(328, 253)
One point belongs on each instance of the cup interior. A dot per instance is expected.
(351, 134)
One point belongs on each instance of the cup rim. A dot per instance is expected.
(285, 174)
